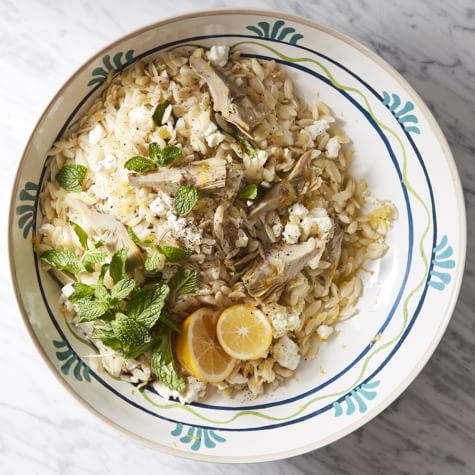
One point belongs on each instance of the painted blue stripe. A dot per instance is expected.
(329, 406)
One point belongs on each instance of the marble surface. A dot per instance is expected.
(428, 430)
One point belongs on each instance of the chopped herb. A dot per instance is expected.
(174, 254)
(249, 192)
(140, 164)
(184, 281)
(70, 177)
(81, 234)
(185, 199)
(159, 111)
(99, 244)
(246, 146)
(164, 156)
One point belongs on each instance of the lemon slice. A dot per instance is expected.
(198, 350)
(244, 332)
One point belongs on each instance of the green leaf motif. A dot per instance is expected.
(26, 212)
(71, 177)
(185, 199)
(115, 64)
(263, 30)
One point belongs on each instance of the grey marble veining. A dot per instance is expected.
(428, 430)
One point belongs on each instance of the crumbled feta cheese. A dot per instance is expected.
(218, 55)
(141, 118)
(282, 320)
(213, 140)
(107, 164)
(291, 233)
(298, 210)
(242, 239)
(316, 223)
(184, 230)
(317, 128)
(286, 353)
(194, 390)
(333, 147)
(161, 204)
(96, 134)
(67, 290)
(325, 331)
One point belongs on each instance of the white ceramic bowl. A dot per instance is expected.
(407, 302)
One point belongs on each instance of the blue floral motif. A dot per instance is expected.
(277, 32)
(196, 435)
(26, 212)
(356, 399)
(402, 115)
(71, 360)
(442, 259)
(116, 64)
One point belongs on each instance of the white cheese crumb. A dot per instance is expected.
(184, 230)
(317, 128)
(213, 140)
(333, 147)
(298, 210)
(161, 204)
(242, 239)
(291, 233)
(218, 55)
(141, 118)
(324, 331)
(282, 320)
(67, 290)
(286, 353)
(96, 134)
(107, 164)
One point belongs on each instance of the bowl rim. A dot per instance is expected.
(409, 378)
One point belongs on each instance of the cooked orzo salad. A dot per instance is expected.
(204, 225)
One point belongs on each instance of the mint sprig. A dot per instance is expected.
(71, 177)
(146, 304)
(140, 164)
(63, 259)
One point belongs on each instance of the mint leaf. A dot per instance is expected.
(101, 293)
(91, 310)
(249, 192)
(62, 259)
(168, 155)
(185, 199)
(162, 364)
(104, 269)
(146, 304)
(102, 332)
(137, 240)
(154, 151)
(139, 164)
(99, 244)
(70, 177)
(169, 321)
(159, 111)
(130, 332)
(174, 254)
(184, 281)
(81, 291)
(81, 234)
(246, 146)
(122, 289)
(152, 261)
(117, 265)
(94, 257)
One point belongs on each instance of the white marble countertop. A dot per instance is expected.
(428, 430)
